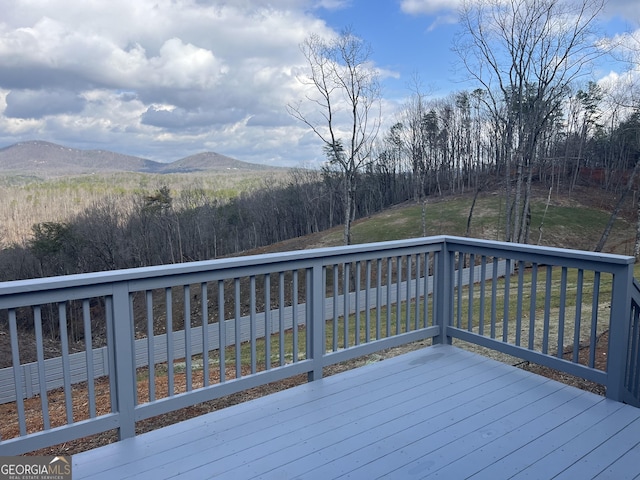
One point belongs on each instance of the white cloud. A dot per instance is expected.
(167, 78)
(39, 103)
(160, 70)
(623, 84)
(626, 9)
(428, 7)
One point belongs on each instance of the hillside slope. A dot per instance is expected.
(207, 161)
(575, 222)
(46, 159)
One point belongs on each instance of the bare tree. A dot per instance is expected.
(525, 54)
(345, 103)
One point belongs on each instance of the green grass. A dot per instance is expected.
(564, 226)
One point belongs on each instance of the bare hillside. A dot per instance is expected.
(44, 159)
(208, 161)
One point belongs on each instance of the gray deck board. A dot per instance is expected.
(439, 412)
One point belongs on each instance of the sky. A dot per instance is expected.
(165, 79)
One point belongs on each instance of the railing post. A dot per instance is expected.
(443, 294)
(619, 332)
(315, 321)
(124, 360)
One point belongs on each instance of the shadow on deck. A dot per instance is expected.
(439, 412)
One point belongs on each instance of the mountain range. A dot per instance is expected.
(45, 159)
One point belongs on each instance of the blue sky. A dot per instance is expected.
(164, 79)
(403, 43)
(417, 36)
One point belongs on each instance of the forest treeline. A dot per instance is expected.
(456, 152)
(162, 226)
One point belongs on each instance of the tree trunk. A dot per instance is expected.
(526, 209)
(544, 215)
(517, 202)
(636, 247)
(473, 205)
(424, 217)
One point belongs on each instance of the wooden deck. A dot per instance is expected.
(440, 412)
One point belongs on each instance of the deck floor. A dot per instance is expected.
(439, 412)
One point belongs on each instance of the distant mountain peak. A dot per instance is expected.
(46, 159)
(210, 161)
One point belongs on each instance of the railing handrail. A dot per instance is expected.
(605, 260)
(329, 254)
(84, 280)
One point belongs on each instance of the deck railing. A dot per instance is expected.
(631, 389)
(148, 341)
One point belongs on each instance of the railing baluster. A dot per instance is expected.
(460, 273)
(187, 338)
(378, 298)
(237, 327)
(111, 343)
(418, 275)
(561, 312)
(483, 288)
(407, 320)
(294, 309)
(336, 291)
(151, 362)
(398, 293)
(66, 367)
(222, 333)
(547, 310)
(252, 322)
(132, 340)
(532, 305)
(577, 326)
(42, 377)
(17, 374)
(507, 298)
(310, 321)
(169, 331)
(494, 297)
(346, 290)
(472, 262)
(519, 302)
(281, 318)
(426, 291)
(634, 357)
(267, 321)
(389, 280)
(88, 347)
(367, 301)
(204, 306)
(356, 336)
(593, 336)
